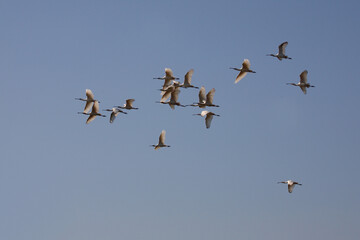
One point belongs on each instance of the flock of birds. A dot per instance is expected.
(171, 89)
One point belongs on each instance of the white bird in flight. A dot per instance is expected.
(281, 54)
(205, 100)
(89, 100)
(94, 112)
(208, 117)
(161, 141)
(291, 184)
(128, 105)
(173, 99)
(243, 71)
(114, 113)
(187, 80)
(303, 82)
(166, 93)
(168, 78)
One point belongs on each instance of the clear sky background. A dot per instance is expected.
(62, 179)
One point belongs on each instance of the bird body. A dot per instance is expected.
(174, 92)
(187, 80)
(94, 112)
(281, 54)
(291, 184)
(205, 100)
(114, 113)
(161, 141)
(303, 84)
(89, 100)
(168, 75)
(208, 117)
(243, 71)
(128, 105)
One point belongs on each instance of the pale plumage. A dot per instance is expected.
(187, 80)
(114, 113)
(161, 141)
(281, 54)
(168, 75)
(243, 71)
(128, 105)
(89, 100)
(291, 184)
(208, 117)
(303, 84)
(94, 112)
(174, 93)
(205, 100)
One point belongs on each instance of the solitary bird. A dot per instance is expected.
(94, 112)
(281, 54)
(89, 100)
(291, 184)
(161, 141)
(187, 80)
(128, 105)
(173, 99)
(205, 100)
(243, 71)
(208, 117)
(114, 113)
(303, 82)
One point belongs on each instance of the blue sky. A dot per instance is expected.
(63, 179)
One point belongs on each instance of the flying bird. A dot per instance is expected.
(168, 75)
(166, 93)
(89, 100)
(128, 105)
(161, 141)
(114, 113)
(187, 80)
(205, 100)
(173, 99)
(94, 112)
(291, 184)
(208, 117)
(243, 71)
(303, 82)
(281, 54)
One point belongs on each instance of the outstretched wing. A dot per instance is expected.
(282, 48)
(210, 96)
(89, 95)
(175, 95)
(162, 137)
(303, 76)
(166, 94)
(240, 76)
(208, 120)
(167, 83)
(246, 64)
(303, 88)
(90, 118)
(88, 105)
(113, 116)
(188, 75)
(129, 102)
(202, 95)
(95, 108)
(290, 188)
(168, 73)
